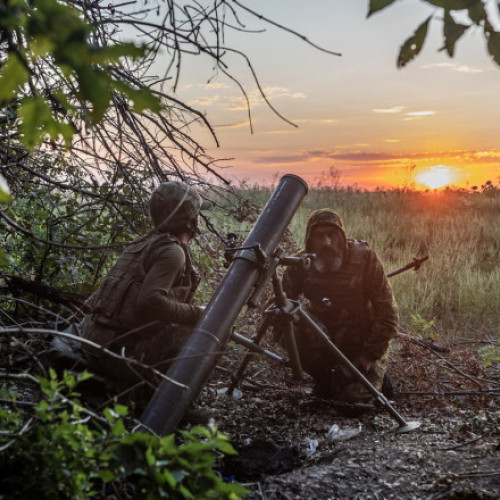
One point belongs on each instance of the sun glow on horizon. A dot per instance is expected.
(437, 176)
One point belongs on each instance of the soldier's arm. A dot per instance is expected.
(154, 301)
(385, 313)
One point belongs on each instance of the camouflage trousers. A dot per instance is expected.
(154, 348)
(333, 380)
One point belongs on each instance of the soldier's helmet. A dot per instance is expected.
(176, 205)
(320, 217)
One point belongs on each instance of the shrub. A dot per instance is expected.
(59, 450)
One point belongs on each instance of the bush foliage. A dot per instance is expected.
(58, 450)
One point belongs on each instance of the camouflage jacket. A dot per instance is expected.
(355, 304)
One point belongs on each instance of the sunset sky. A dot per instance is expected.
(358, 112)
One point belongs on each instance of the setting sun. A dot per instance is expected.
(436, 177)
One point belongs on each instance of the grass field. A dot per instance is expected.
(456, 293)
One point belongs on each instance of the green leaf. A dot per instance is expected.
(4, 261)
(199, 430)
(226, 447)
(494, 45)
(56, 128)
(167, 444)
(12, 75)
(169, 477)
(35, 113)
(145, 99)
(106, 476)
(376, 5)
(142, 99)
(412, 47)
(41, 46)
(94, 87)
(452, 31)
(184, 491)
(477, 13)
(5, 196)
(453, 4)
(150, 457)
(121, 410)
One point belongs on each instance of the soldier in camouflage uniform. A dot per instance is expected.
(142, 309)
(350, 296)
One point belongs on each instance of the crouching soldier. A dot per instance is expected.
(143, 310)
(350, 296)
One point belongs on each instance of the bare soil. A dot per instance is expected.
(294, 446)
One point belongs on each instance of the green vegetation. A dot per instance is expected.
(58, 449)
(454, 295)
(51, 37)
(479, 17)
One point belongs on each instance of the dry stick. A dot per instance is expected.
(483, 392)
(32, 355)
(470, 474)
(137, 129)
(284, 28)
(63, 185)
(452, 367)
(214, 52)
(58, 318)
(127, 391)
(177, 142)
(54, 243)
(102, 133)
(64, 399)
(87, 342)
(461, 445)
(184, 106)
(13, 402)
(14, 283)
(24, 428)
(429, 344)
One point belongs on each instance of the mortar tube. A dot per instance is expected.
(210, 335)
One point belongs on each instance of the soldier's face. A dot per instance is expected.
(328, 243)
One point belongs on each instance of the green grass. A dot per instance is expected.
(459, 286)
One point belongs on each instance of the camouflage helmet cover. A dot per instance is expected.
(174, 204)
(320, 217)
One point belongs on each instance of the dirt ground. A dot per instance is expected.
(294, 446)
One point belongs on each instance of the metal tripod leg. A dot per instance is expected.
(403, 426)
(235, 378)
(291, 347)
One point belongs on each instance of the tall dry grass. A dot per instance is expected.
(459, 286)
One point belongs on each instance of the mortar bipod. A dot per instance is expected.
(254, 347)
(281, 309)
(290, 312)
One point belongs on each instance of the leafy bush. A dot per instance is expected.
(424, 328)
(61, 450)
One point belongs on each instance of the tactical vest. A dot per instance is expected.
(338, 299)
(114, 303)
